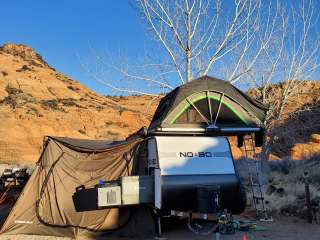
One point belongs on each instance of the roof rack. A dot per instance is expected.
(210, 130)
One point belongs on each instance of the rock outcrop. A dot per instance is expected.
(36, 101)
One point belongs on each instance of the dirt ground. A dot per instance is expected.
(283, 228)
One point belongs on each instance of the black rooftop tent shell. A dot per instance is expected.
(208, 101)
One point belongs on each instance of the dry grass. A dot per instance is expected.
(285, 185)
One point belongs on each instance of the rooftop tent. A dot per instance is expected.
(60, 197)
(207, 102)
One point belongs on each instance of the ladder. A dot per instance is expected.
(255, 181)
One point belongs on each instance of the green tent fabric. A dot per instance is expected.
(208, 101)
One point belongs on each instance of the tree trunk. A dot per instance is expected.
(188, 70)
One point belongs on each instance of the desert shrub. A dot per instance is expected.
(108, 123)
(88, 96)
(52, 104)
(9, 100)
(73, 88)
(120, 124)
(122, 109)
(16, 97)
(82, 131)
(314, 158)
(32, 111)
(67, 102)
(12, 90)
(285, 191)
(70, 102)
(282, 166)
(24, 68)
(4, 73)
(109, 135)
(116, 99)
(316, 178)
(99, 108)
(112, 133)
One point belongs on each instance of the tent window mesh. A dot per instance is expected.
(190, 115)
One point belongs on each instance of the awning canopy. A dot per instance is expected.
(60, 198)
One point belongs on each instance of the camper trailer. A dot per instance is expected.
(197, 174)
(181, 165)
(187, 146)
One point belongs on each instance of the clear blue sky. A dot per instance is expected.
(62, 30)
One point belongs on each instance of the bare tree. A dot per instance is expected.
(247, 42)
(196, 35)
(235, 40)
(195, 38)
(290, 57)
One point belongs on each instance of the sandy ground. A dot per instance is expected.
(283, 228)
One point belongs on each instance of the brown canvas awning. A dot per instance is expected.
(64, 181)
